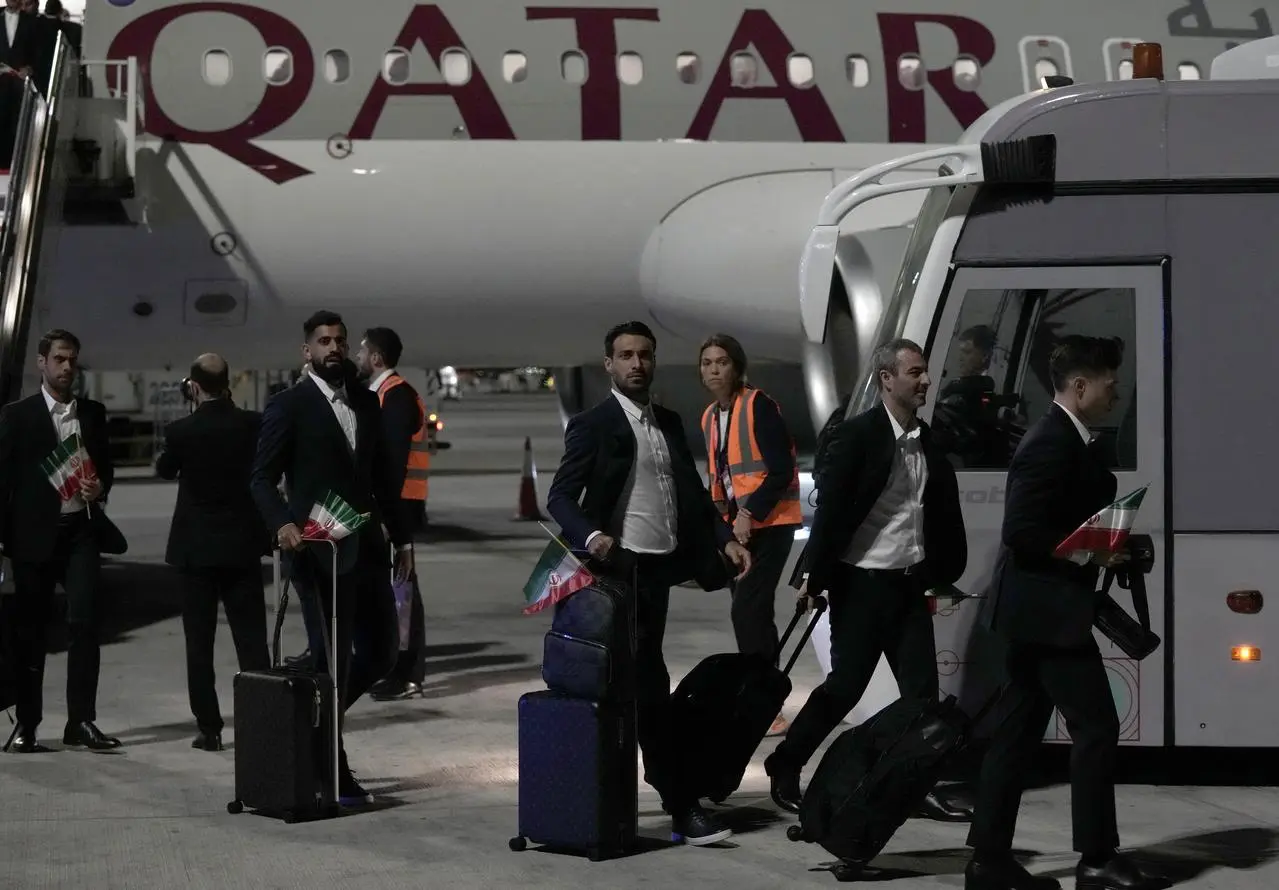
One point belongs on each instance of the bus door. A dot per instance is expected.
(988, 360)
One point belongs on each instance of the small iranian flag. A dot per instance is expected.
(68, 467)
(1107, 530)
(558, 574)
(332, 519)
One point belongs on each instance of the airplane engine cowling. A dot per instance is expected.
(727, 259)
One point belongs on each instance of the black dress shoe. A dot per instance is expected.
(85, 734)
(25, 743)
(783, 786)
(394, 690)
(303, 662)
(1005, 874)
(934, 807)
(208, 741)
(1118, 873)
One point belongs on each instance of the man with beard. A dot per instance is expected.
(644, 514)
(888, 528)
(404, 427)
(323, 436)
(47, 500)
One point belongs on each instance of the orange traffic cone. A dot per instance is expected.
(528, 510)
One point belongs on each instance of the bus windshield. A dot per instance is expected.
(931, 214)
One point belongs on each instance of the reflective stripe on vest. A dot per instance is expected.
(418, 471)
(746, 467)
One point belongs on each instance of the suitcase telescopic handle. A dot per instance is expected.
(819, 606)
(330, 639)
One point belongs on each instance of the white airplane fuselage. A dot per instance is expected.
(494, 214)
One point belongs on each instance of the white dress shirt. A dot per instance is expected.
(380, 379)
(65, 423)
(11, 24)
(341, 408)
(892, 535)
(647, 516)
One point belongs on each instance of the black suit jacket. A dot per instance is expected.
(302, 441)
(859, 461)
(401, 419)
(29, 506)
(599, 450)
(215, 522)
(1055, 483)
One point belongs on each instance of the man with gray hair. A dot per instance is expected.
(887, 529)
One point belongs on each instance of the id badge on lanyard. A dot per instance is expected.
(721, 461)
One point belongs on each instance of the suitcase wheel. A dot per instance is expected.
(847, 871)
(518, 844)
(235, 807)
(794, 833)
(594, 855)
(290, 817)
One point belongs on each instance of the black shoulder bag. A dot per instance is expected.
(1134, 637)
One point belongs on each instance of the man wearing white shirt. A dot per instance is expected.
(629, 491)
(51, 539)
(1042, 607)
(325, 435)
(888, 528)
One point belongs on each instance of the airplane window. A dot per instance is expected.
(277, 67)
(966, 73)
(1125, 69)
(744, 70)
(630, 68)
(395, 66)
(1188, 71)
(514, 67)
(217, 67)
(455, 65)
(688, 67)
(910, 72)
(1045, 68)
(573, 67)
(337, 66)
(799, 70)
(858, 70)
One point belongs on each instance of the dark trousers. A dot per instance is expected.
(27, 612)
(653, 727)
(410, 665)
(365, 630)
(240, 591)
(754, 621)
(872, 613)
(1039, 678)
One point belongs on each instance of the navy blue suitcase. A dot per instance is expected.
(578, 777)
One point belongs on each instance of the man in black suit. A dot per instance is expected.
(1042, 607)
(25, 48)
(217, 538)
(404, 428)
(50, 539)
(888, 528)
(645, 512)
(322, 435)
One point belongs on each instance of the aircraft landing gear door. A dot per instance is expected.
(1117, 54)
(988, 360)
(1043, 57)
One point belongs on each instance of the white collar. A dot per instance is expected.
(380, 379)
(330, 392)
(52, 404)
(632, 407)
(1079, 424)
(898, 432)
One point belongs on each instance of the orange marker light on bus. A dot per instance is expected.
(1245, 653)
(1148, 61)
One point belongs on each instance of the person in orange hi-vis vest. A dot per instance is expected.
(754, 482)
(404, 418)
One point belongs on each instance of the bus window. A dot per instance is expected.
(995, 382)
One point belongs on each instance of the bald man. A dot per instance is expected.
(217, 538)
